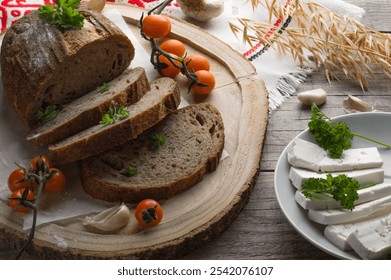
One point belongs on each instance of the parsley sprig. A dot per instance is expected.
(334, 137)
(342, 188)
(131, 171)
(156, 141)
(63, 14)
(114, 114)
(46, 114)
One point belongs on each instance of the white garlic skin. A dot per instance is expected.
(317, 96)
(353, 104)
(205, 11)
(109, 220)
(96, 5)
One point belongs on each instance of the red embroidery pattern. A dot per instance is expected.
(12, 10)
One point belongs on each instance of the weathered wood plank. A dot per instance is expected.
(377, 13)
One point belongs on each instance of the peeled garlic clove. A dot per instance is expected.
(201, 10)
(353, 104)
(111, 219)
(317, 96)
(96, 5)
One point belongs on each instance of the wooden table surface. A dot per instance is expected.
(261, 230)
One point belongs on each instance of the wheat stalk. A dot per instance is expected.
(336, 42)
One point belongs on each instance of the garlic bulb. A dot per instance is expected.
(96, 5)
(111, 219)
(202, 10)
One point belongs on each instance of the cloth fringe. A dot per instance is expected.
(286, 86)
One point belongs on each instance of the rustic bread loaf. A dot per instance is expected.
(194, 140)
(158, 102)
(88, 110)
(43, 64)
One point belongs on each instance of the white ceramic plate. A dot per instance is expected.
(376, 125)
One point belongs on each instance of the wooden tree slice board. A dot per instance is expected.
(198, 214)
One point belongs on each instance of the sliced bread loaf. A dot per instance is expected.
(88, 110)
(44, 64)
(158, 102)
(194, 140)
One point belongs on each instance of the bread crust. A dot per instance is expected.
(43, 64)
(104, 180)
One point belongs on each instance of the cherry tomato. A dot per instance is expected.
(173, 46)
(148, 213)
(41, 164)
(170, 71)
(17, 180)
(15, 202)
(207, 78)
(56, 183)
(197, 62)
(156, 26)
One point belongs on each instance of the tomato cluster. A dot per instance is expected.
(24, 182)
(158, 26)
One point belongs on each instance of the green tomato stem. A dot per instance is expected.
(372, 140)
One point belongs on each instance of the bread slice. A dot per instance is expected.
(193, 146)
(44, 64)
(162, 99)
(88, 110)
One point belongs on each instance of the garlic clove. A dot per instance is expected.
(317, 96)
(353, 104)
(96, 5)
(109, 220)
(201, 10)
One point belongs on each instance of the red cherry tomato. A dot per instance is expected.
(40, 163)
(17, 180)
(156, 26)
(197, 62)
(173, 46)
(56, 183)
(170, 71)
(148, 213)
(206, 78)
(15, 197)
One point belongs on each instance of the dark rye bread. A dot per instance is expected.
(43, 64)
(88, 110)
(193, 146)
(162, 99)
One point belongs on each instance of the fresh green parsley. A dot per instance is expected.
(156, 141)
(46, 114)
(114, 114)
(105, 87)
(131, 171)
(342, 188)
(63, 14)
(334, 137)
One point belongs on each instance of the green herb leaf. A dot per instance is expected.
(63, 14)
(156, 141)
(131, 171)
(46, 114)
(114, 114)
(334, 137)
(342, 188)
(104, 87)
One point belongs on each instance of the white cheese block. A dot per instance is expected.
(374, 241)
(332, 217)
(365, 195)
(304, 154)
(364, 177)
(338, 234)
